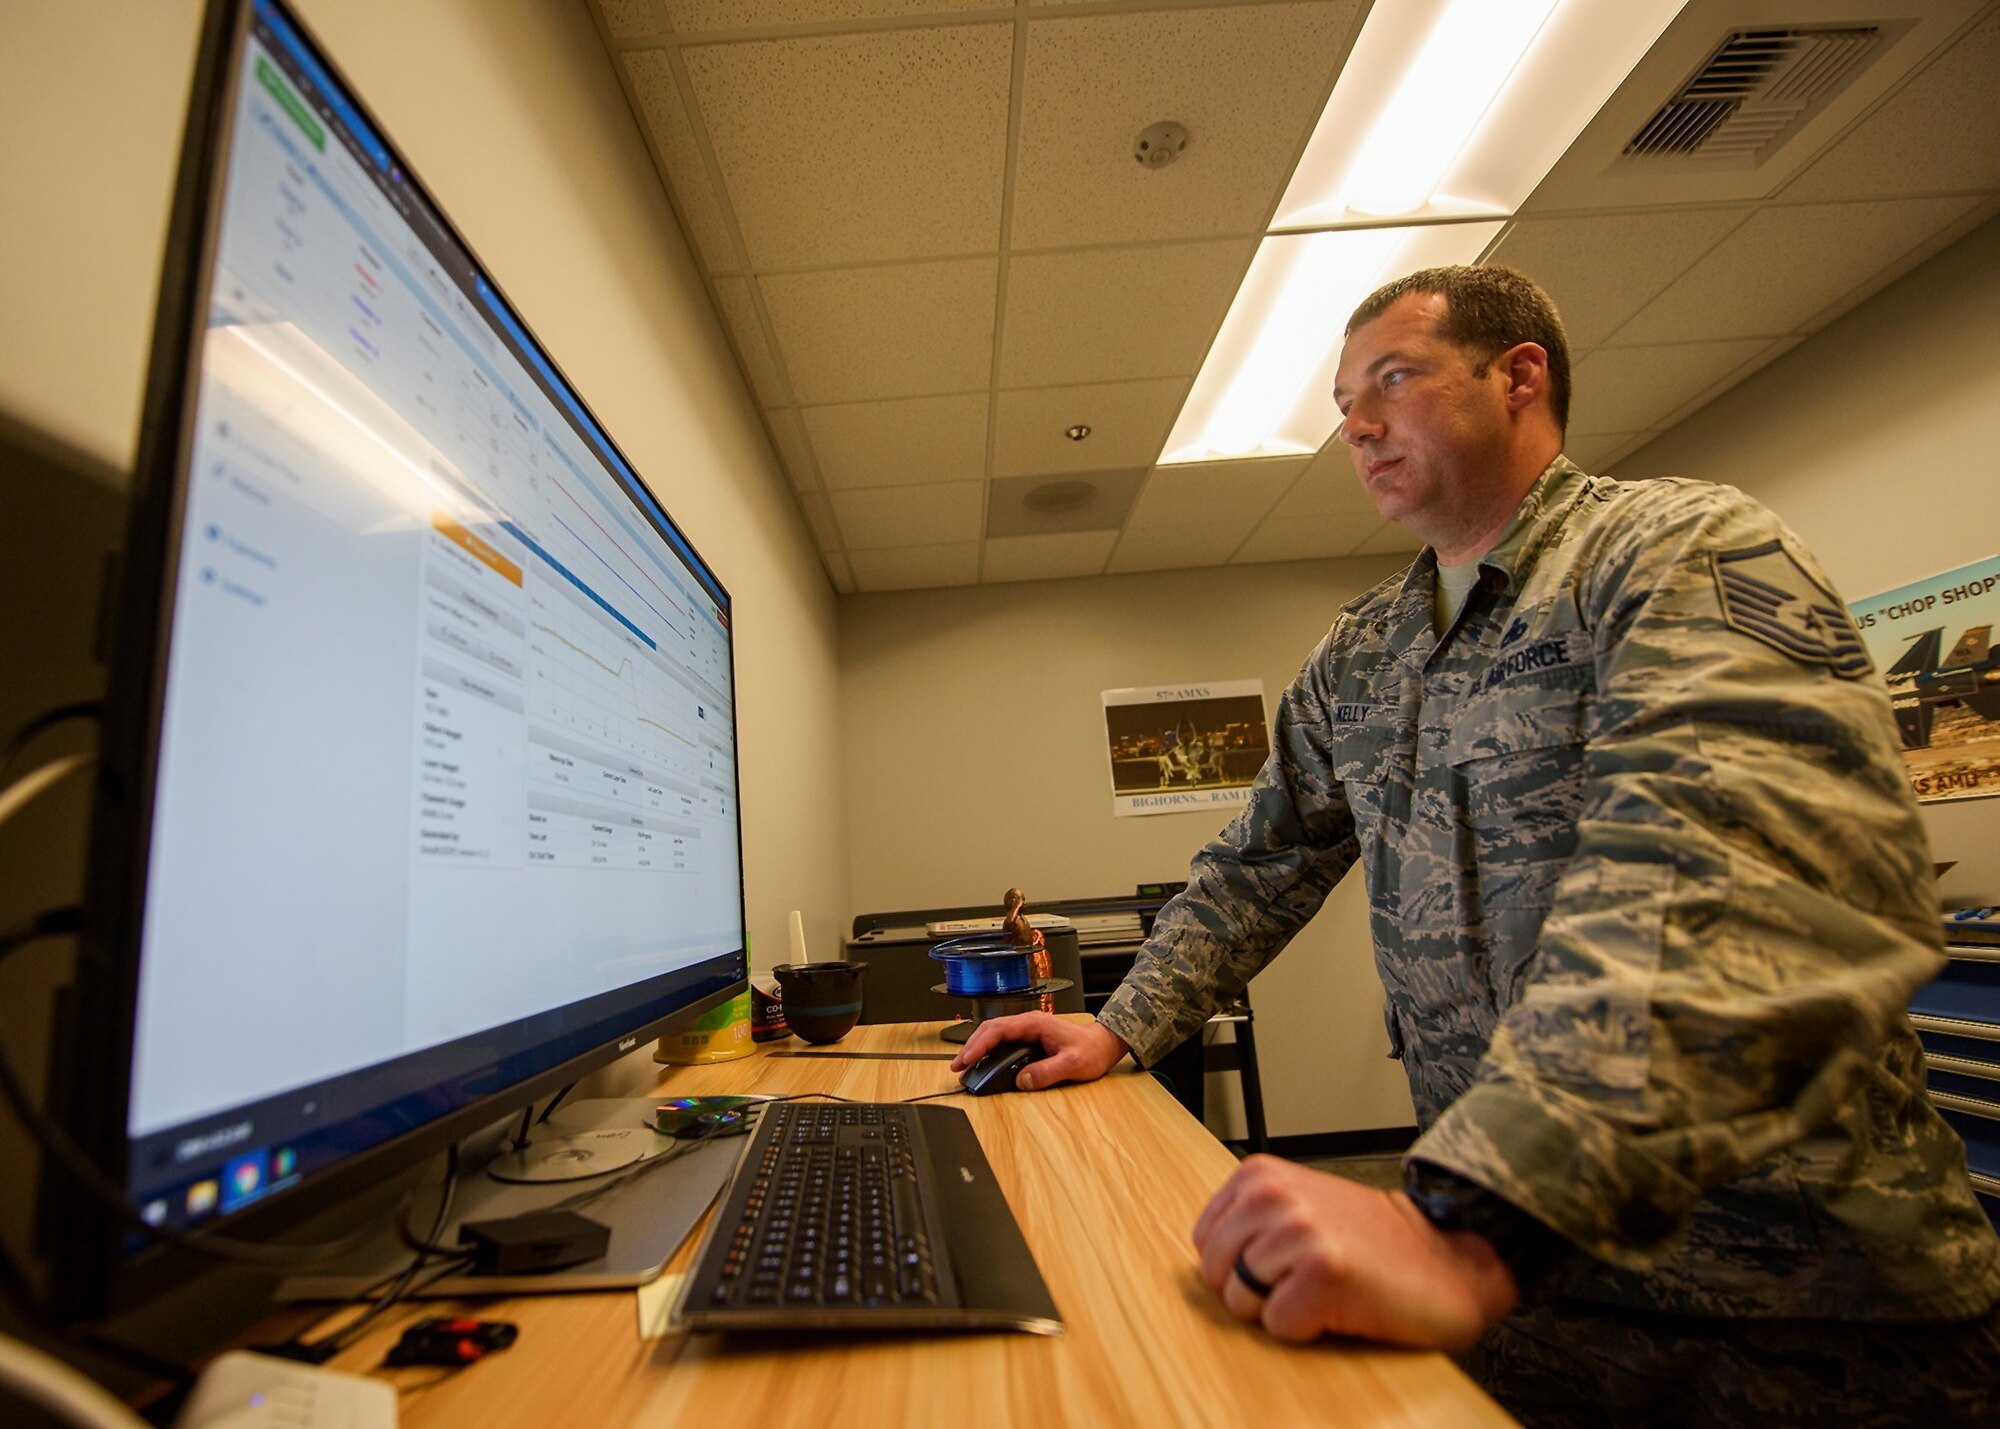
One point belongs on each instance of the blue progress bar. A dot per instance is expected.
(564, 571)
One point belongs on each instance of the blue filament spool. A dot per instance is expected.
(980, 966)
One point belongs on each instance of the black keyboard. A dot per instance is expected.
(837, 1210)
(841, 1214)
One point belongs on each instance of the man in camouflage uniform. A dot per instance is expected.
(1648, 894)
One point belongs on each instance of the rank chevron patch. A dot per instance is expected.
(1769, 596)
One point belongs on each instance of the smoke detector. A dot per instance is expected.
(1158, 145)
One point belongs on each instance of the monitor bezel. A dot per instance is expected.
(91, 1064)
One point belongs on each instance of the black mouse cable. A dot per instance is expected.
(394, 1287)
(324, 1349)
(601, 1187)
(684, 1144)
(680, 1148)
(832, 1097)
(605, 1185)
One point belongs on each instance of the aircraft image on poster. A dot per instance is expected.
(1933, 642)
(1920, 682)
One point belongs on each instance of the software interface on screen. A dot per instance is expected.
(448, 737)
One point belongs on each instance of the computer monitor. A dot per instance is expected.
(419, 794)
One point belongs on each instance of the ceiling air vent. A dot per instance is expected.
(1755, 89)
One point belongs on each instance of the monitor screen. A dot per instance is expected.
(437, 781)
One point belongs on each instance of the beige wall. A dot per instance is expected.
(510, 111)
(1876, 439)
(976, 759)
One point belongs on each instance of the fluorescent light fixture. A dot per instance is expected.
(1447, 114)
(1470, 102)
(1471, 50)
(1324, 275)
(1267, 386)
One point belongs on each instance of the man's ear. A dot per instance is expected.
(1527, 367)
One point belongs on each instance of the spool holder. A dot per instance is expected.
(995, 975)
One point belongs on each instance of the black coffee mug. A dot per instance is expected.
(822, 1000)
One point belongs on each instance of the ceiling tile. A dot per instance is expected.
(1046, 558)
(739, 310)
(1128, 422)
(916, 567)
(909, 515)
(1282, 539)
(894, 142)
(841, 571)
(1328, 488)
(1073, 501)
(628, 19)
(1247, 81)
(687, 173)
(1109, 314)
(1768, 352)
(1787, 265)
(1167, 548)
(1602, 268)
(819, 517)
(788, 435)
(692, 16)
(916, 440)
(1626, 389)
(1941, 131)
(909, 330)
(1596, 453)
(1231, 495)
(1390, 540)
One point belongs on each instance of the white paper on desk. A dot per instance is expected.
(656, 1306)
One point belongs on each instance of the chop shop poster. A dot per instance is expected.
(1176, 748)
(1933, 643)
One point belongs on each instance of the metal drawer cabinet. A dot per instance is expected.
(1957, 1017)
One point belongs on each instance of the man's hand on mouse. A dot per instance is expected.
(1071, 1051)
(1326, 1255)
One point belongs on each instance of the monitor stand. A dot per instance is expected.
(649, 1215)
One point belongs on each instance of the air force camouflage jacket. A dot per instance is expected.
(1648, 895)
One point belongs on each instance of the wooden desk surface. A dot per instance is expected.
(1106, 1181)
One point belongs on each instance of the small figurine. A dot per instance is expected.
(1014, 922)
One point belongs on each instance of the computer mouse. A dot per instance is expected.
(995, 1072)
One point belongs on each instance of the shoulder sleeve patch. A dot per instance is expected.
(1767, 595)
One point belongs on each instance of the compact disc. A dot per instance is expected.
(577, 1158)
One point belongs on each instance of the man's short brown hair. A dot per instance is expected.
(1487, 310)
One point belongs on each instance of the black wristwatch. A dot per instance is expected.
(1452, 1203)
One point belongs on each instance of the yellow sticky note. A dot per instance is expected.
(656, 1306)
